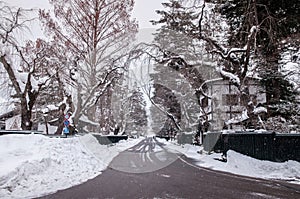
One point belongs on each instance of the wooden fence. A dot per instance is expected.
(263, 146)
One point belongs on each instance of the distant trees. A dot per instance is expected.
(166, 98)
(137, 116)
(94, 35)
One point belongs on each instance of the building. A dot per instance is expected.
(8, 121)
(225, 102)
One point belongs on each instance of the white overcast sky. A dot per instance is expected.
(144, 10)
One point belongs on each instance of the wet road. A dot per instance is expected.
(147, 156)
(147, 170)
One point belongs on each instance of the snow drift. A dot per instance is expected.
(35, 165)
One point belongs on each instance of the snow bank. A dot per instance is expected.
(35, 165)
(241, 164)
(104, 153)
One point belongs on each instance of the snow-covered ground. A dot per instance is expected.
(35, 165)
(241, 164)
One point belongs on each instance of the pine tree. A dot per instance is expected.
(181, 50)
(137, 118)
(166, 98)
(281, 95)
(248, 44)
(277, 20)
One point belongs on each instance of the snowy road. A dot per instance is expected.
(148, 170)
(147, 156)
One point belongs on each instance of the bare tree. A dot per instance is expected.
(26, 66)
(95, 35)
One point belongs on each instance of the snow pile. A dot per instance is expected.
(248, 166)
(103, 153)
(35, 165)
(240, 164)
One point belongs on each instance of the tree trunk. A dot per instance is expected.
(61, 118)
(46, 125)
(26, 123)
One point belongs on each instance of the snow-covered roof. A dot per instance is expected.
(8, 114)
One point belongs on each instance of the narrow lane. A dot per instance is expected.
(147, 156)
(130, 176)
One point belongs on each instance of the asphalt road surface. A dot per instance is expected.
(148, 170)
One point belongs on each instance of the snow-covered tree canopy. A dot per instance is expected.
(242, 35)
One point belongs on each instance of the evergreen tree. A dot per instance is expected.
(204, 27)
(276, 21)
(137, 119)
(251, 41)
(281, 95)
(181, 51)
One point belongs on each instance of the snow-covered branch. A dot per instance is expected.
(148, 93)
(204, 83)
(11, 75)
